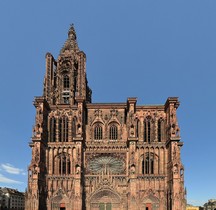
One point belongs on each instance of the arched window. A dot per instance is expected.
(66, 82)
(66, 92)
(137, 128)
(63, 129)
(74, 127)
(147, 130)
(113, 132)
(148, 164)
(68, 166)
(52, 129)
(63, 164)
(60, 129)
(98, 132)
(151, 166)
(143, 166)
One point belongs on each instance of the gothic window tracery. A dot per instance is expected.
(74, 127)
(159, 130)
(63, 164)
(63, 129)
(66, 82)
(113, 132)
(66, 86)
(106, 164)
(148, 164)
(98, 132)
(52, 129)
(137, 128)
(147, 129)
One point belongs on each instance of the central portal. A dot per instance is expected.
(105, 206)
(105, 200)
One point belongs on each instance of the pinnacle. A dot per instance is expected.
(71, 32)
(70, 44)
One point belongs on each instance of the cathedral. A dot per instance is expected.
(100, 156)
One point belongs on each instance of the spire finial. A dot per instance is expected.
(72, 32)
(71, 42)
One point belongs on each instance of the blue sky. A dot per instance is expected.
(147, 49)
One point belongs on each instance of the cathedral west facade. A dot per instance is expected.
(101, 156)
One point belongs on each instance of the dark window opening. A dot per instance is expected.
(113, 134)
(66, 100)
(68, 167)
(66, 82)
(63, 129)
(64, 164)
(66, 97)
(75, 78)
(145, 131)
(149, 131)
(143, 167)
(52, 129)
(151, 166)
(148, 165)
(137, 128)
(159, 130)
(74, 127)
(98, 134)
(60, 129)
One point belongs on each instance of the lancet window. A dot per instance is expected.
(74, 127)
(159, 133)
(147, 129)
(113, 132)
(63, 129)
(98, 132)
(66, 82)
(63, 164)
(52, 128)
(148, 164)
(137, 128)
(66, 86)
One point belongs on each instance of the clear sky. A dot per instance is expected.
(150, 49)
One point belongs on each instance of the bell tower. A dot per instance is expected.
(55, 179)
(65, 77)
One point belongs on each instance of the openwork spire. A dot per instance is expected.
(71, 43)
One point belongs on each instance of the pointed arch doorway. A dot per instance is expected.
(151, 203)
(105, 200)
(105, 206)
(148, 206)
(62, 206)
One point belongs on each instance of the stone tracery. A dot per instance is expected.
(100, 155)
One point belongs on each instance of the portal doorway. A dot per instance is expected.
(150, 202)
(105, 200)
(62, 206)
(105, 206)
(148, 206)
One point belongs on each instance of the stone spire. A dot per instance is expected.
(71, 43)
